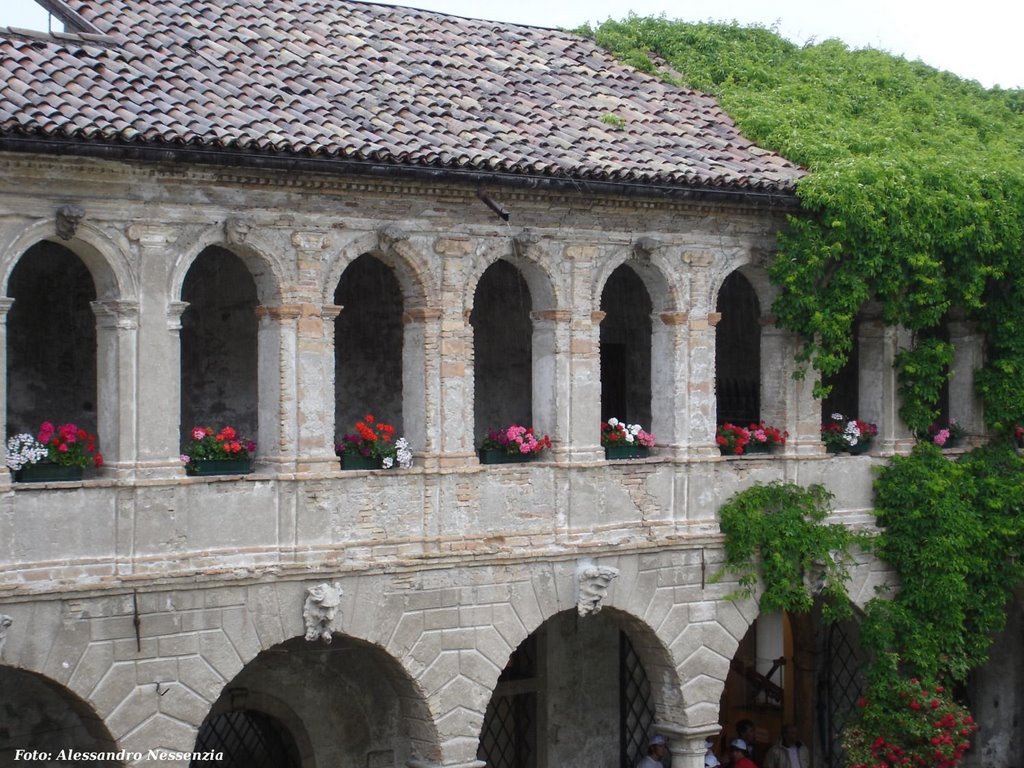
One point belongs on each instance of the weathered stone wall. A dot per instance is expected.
(148, 595)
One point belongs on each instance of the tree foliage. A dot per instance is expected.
(915, 196)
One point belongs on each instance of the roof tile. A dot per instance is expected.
(349, 79)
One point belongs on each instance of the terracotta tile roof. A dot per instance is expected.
(364, 82)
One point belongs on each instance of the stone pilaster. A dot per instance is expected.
(457, 389)
(550, 368)
(157, 401)
(277, 445)
(879, 399)
(5, 308)
(669, 398)
(117, 329)
(579, 396)
(703, 410)
(421, 382)
(788, 403)
(968, 356)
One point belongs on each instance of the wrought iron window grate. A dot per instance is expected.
(248, 739)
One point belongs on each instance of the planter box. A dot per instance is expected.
(617, 452)
(753, 447)
(496, 456)
(44, 472)
(348, 461)
(206, 467)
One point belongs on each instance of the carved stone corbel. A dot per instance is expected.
(645, 246)
(237, 230)
(592, 587)
(319, 610)
(5, 624)
(68, 219)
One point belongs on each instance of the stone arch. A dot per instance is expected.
(527, 255)
(636, 299)
(655, 267)
(105, 257)
(366, 703)
(41, 714)
(268, 271)
(754, 273)
(519, 329)
(395, 248)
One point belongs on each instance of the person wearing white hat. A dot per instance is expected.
(657, 749)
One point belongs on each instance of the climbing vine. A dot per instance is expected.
(775, 534)
(914, 200)
(953, 531)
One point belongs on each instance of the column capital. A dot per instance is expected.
(116, 313)
(421, 315)
(279, 312)
(5, 306)
(553, 315)
(311, 240)
(596, 318)
(674, 318)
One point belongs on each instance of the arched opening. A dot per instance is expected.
(794, 668)
(738, 353)
(344, 705)
(38, 714)
(368, 346)
(247, 739)
(844, 393)
(219, 345)
(51, 341)
(503, 350)
(574, 692)
(626, 349)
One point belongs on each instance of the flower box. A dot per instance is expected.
(499, 456)
(754, 447)
(46, 472)
(355, 461)
(618, 452)
(206, 467)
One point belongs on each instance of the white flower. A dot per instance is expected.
(24, 449)
(404, 453)
(387, 462)
(629, 437)
(613, 422)
(837, 417)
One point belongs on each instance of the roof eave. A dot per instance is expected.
(779, 198)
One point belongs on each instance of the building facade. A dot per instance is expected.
(555, 612)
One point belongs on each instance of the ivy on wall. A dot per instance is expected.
(915, 197)
(953, 531)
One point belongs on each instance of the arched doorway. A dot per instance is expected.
(574, 692)
(347, 704)
(38, 714)
(738, 353)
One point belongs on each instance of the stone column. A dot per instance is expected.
(550, 369)
(117, 422)
(879, 399)
(669, 372)
(788, 403)
(421, 382)
(277, 341)
(457, 389)
(579, 396)
(687, 743)
(5, 307)
(703, 410)
(314, 406)
(157, 400)
(968, 356)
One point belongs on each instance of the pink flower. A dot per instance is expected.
(941, 437)
(198, 433)
(46, 431)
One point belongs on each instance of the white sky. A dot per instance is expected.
(980, 40)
